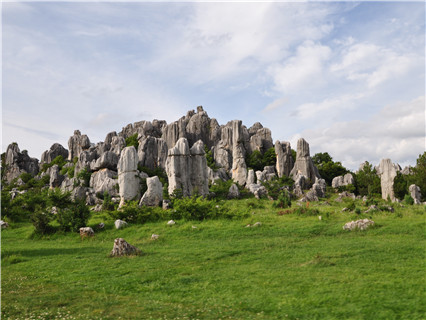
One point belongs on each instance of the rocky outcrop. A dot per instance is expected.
(415, 194)
(152, 153)
(76, 144)
(285, 160)
(250, 177)
(304, 164)
(56, 178)
(219, 174)
(104, 180)
(387, 171)
(300, 184)
(341, 181)
(319, 188)
(239, 167)
(55, 150)
(260, 138)
(187, 168)
(18, 162)
(201, 127)
(153, 196)
(107, 160)
(128, 175)
(362, 224)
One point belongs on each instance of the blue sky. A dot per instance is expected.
(348, 77)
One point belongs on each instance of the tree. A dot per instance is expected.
(327, 168)
(367, 181)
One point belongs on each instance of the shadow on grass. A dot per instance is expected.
(53, 252)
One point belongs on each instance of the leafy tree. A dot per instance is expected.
(400, 185)
(327, 168)
(209, 157)
(73, 217)
(255, 160)
(367, 181)
(419, 175)
(270, 157)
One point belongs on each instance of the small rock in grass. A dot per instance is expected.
(120, 224)
(320, 218)
(86, 232)
(171, 222)
(359, 224)
(122, 248)
(194, 227)
(3, 224)
(257, 224)
(154, 236)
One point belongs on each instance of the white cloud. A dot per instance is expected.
(396, 132)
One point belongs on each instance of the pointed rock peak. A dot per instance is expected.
(181, 148)
(198, 148)
(302, 148)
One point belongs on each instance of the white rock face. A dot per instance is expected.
(387, 172)
(120, 224)
(152, 153)
(250, 178)
(239, 167)
(304, 164)
(285, 161)
(128, 177)
(86, 232)
(341, 181)
(359, 224)
(76, 144)
(319, 187)
(187, 168)
(171, 222)
(415, 194)
(103, 180)
(153, 196)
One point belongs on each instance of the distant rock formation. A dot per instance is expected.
(55, 150)
(128, 176)
(341, 181)
(18, 162)
(285, 161)
(77, 143)
(304, 164)
(387, 171)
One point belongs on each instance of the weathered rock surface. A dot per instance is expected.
(362, 224)
(415, 194)
(387, 171)
(250, 177)
(233, 192)
(341, 181)
(258, 190)
(104, 180)
(153, 196)
(120, 224)
(56, 178)
(260, 138)
(219, 174)
(319, 188)
(152, 153)
(86, 232)
(55, 150)
(285, 161)
(76, 144)
(304, 164)
(300, 184)
(18, 162)
(123, 248)
(128, 175)
(108, 160)
(239, 167)
(187, 168)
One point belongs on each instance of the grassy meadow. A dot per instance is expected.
(290, 267)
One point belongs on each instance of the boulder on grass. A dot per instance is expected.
(123, 248)
(120, 224)
(86, 232)
(359, 224)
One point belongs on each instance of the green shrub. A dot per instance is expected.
(367, 181)
(84, 175)
(195, 208)
(408, 200)
(220, 188)
(68, 171)
(306, 211)
(283, 201)
(132, 141)
(277, 185)
(59, 160)
(41, 221)
(25, 177)
(400, 185)
(158, 171)
(59, 199)
(209, 157)
(257, 161)
(132, 213)
(107, 204)
(73, 217)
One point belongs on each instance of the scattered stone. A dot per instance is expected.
(170, 223)
(3, 224)
(86, 232)
(257, 224)
(120, 224)
(319, 218)
(345, 209)
(101, 225)
(194, 227)
(372, 208)
(362, 224)
(154, 236)
(122, 248)
(166, 204)
(415, 194)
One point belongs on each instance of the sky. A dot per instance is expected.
(349, 77)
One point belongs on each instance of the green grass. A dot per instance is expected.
(291, 267)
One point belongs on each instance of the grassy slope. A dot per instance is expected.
(290, 267)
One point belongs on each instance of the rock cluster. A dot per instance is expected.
(362, 224)
(304, 164)
(18, 162)
(341, 181)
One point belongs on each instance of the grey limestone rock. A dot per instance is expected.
(239, 167)
(153, 196)
(362, 224)
(18, 162)
(118, 143)
(341, 181)
(387, 171)
(77, 143)
(123, 248)
(285, 160)
(187, 168)
(128, 176)
(233, 192)
(299, 185)
(415, 194)
(55, 177)
(261, 140)
(152, 153)
(104, 180)
(319, 187)
(55, 150)
(107, 160)
(219, 174)
(250, 177)
(304, 164)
